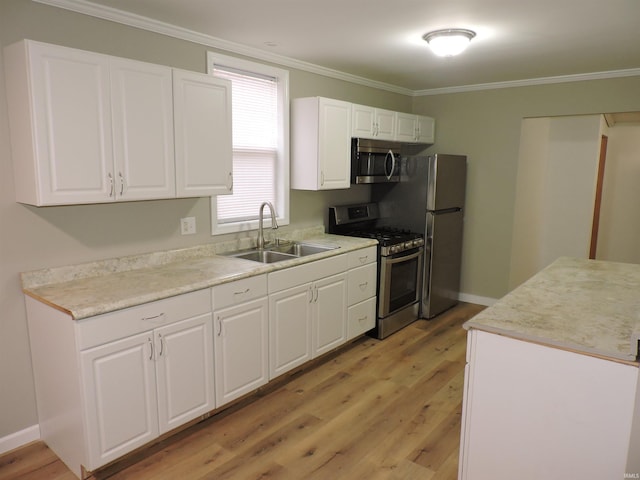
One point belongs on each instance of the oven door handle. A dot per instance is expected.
(405, 258)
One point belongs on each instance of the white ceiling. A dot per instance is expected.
(517, 40)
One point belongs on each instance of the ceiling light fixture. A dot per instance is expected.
(449, 42)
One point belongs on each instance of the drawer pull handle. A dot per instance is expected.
(363, 259)
(160, 317)
(362, 319)
(243, 292)
(363, 285)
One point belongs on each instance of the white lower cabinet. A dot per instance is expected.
(119, 381)
(289, 329)
(362, 284)
(308, 312)
(145, 385)
(240, 338)
(329, 313)
(108, 384)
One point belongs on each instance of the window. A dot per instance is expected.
(260, 106)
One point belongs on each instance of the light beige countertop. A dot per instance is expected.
(99, 287)
(588, 306)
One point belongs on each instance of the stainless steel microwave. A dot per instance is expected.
(375, 161)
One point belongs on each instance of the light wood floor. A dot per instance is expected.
(386, 409)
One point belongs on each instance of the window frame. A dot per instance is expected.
(282, 186)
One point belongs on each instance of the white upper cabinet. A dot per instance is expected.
(369, 122)
(202, 108)
(142, 114)
(92, 128)
(426, 127)
(321, 144)
(414, 128)
(59, 103)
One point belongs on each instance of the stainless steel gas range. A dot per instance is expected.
(400, 257)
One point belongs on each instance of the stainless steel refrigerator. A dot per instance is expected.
(429, 199)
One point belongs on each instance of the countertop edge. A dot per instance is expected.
(629, 359)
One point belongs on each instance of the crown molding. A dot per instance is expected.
(632, 72)
(112, 14)
(145, 23)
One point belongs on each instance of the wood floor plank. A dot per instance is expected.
(376, 410)
(420, 415)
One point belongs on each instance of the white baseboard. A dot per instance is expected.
(19, 439)
(486, 301)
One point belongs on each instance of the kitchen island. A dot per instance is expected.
(551, 382)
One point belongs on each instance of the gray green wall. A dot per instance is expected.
(485, 125)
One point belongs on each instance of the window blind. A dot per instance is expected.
(255, 144)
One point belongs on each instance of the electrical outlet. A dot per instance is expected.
(188, 225)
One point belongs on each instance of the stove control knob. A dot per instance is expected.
(408, 245)
(393, 249)
(418, 242)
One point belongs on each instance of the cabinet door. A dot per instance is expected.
(426, 129)
(330, 313)
(289, 329)
(334, 144)
(119, 384)
(241, 346)
(202, 109)
(72, 126)
(385, 121)
(184, 353)
(363, 119)
(406, 127)
(142, 110)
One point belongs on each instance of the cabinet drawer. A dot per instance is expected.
(234, 293)
(308, 272)
(361, 257)
(362, 283)
(130, 321)
(361, 318)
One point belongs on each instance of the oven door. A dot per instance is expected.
(400, 281)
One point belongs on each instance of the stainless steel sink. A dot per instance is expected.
(281, 252)
(302, 249)
(264, 256)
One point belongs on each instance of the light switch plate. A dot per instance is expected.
(188, 225)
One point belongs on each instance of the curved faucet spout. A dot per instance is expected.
(274, 223)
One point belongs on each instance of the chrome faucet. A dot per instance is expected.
(274, 223)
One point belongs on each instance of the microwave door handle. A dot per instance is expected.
(389, 174)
